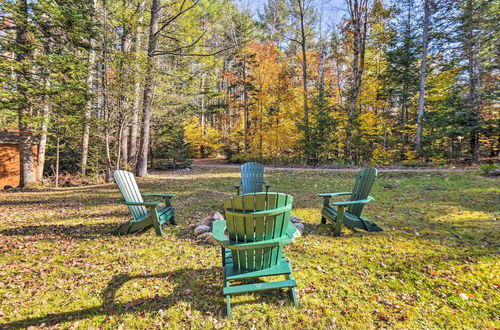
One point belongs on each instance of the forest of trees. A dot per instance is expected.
(149, 84)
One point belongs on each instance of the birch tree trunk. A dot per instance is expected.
(142, 159)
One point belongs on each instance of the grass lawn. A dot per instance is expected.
(435, 265)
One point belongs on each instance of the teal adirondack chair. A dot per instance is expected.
(252, 178)
(145, 214)
(258, 226)
(359, 197)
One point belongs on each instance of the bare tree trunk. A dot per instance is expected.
(108, 154)
(203, 116)
(142, 161)
(404, 121)
(473, 68)
(303, 48)
(384, 144)
(337, 69)
(261, 127)
(87, 115)
(22, 53)
(321, 96)
(42, 146)
(58, 140)
(358, 11)
(132, 155)
(119, 147)
(105, 103)
(123, 106)
(423, 74)
(124, 146)
(86, 118)
(245, 107)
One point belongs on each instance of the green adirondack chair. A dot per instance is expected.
(145, 214)
(359, 197)
(258, 226)
(252, 178)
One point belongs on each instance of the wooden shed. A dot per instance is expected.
(10, 159)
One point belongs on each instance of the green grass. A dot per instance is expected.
(435, 265)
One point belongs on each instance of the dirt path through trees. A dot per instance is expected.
(221, 163)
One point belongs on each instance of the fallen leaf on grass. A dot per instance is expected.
(383, 317)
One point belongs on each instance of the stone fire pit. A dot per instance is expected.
(203, 228)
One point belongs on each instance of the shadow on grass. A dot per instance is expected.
(108, 194)
(188, 287)
(74, 231)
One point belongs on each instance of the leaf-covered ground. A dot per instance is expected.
(435, 265)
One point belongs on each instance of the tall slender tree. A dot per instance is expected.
(358, 22)
(471, 44)
(87, 115)
(134, 123)
(423, 75)
(142, 160)
(304, 17)
(23, 56)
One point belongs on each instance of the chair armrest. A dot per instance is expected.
(218, 228)
(290, 232)
(335, 194)
(141, 203)
(270, 243)
(257, 213)
(361, 201)
(167, 197)
(159, 195)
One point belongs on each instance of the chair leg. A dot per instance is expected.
(228, 297)
(339, 221)
(156, 223)
(172, 221)
(158, 230)
(294, 297)
(228, 305)
(337, 227)
(323, 220)
(223, 256)
(292, 291)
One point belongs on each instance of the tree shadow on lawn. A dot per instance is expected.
(80, 231)
(188, 288)
(109, 194)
